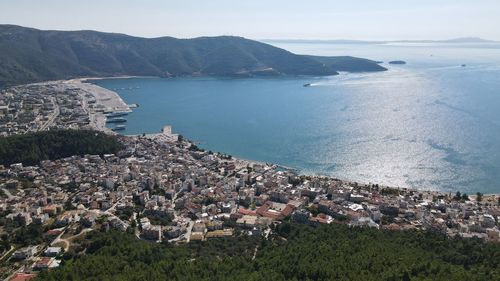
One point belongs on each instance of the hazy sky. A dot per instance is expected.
(261, 19)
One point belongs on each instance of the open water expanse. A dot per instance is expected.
(429, 124)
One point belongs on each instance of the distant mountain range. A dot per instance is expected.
(464, 40)
(31, 55)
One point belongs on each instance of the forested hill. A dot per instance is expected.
(325, 253)
(31, 148)
(30, 55)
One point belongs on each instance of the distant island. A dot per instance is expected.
(462, 40)
(32, 55)
(397, 62)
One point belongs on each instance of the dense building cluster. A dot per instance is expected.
(51, 105)
(162, 187)
(37, 107)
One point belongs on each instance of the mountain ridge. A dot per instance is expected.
(459, 40)
(32, 55)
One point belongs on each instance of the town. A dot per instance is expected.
(164, 188)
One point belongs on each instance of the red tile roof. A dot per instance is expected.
(247, 212)
(53, 232)
(22, 277)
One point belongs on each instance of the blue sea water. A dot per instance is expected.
(429, 124)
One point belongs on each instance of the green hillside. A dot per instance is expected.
(30, 55)
(349, 64)
(300, 253)
(32, 148)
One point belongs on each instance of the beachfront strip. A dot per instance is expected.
(57, 105)
(162, 187)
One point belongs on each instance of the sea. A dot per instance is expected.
(430, 124)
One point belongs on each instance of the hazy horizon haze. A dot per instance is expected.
(383, 20)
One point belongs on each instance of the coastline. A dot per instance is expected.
(111, 99)
(89, 79)
(106, 100)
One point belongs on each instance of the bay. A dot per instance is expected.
(430, 124)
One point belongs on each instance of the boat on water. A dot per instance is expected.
(118, 128)
(116, 114)
(307, 85)
(116, 120)
(133, 105)
(464, 65)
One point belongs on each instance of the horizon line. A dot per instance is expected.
(474, 39)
